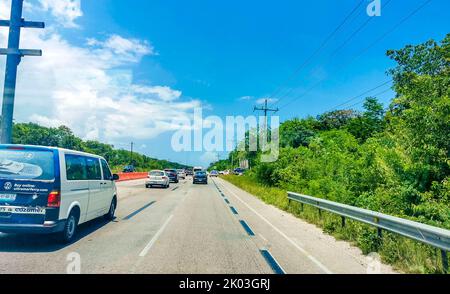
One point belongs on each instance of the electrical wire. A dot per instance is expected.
(403, 20)
(317, 51)
(362, 94)
(337, 50)
(362, 101)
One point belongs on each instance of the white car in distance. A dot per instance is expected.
(181, 174)
(157, 178)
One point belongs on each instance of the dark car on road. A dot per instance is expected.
(239, 171)
(173, 175)
(129, 169)
(200, 177)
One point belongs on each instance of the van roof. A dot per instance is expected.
(50, 148)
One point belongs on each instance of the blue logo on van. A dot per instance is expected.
(7, 186)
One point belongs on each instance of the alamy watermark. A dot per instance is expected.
(74, 263)
(374, 8)
(213, 134)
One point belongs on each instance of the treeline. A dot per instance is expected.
(393, 160)
(33, 134)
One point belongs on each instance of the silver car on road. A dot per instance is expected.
(157, 178)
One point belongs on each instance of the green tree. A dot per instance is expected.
(370, 122)
(33, 134)
(297, 132)
(336, 119)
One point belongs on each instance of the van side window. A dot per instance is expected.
(93, 169)
(76, 168)
(107, 175)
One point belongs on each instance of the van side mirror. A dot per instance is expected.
(115, 177)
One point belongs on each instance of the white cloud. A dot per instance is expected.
(128, 50)
(4, 10)
(246, 98)
(163, 93)
(90, 88)
(64, 11)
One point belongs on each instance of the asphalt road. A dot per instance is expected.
(188, 229)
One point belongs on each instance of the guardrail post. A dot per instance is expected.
(320, 213)
(444, 260)
(379, 233)
(302, 207)
(342, 221)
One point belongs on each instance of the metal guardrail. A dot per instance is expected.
(434, 236)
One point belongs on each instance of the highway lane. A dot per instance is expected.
(103, 247)
(188, 229)
(203, 236)
(299, 247)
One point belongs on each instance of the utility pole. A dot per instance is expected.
(131, 153)
(232, 152)
(14, 56)
(266, 110)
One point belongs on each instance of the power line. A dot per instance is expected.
(353, 35)
(411, 14)
(310, 58)
(338, 49)
(362, 51)
(362, 94)
(362, 101)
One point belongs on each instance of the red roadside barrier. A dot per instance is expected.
(131, 176)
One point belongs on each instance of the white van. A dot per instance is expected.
(53, 190)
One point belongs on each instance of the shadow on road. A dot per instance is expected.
(46, 243)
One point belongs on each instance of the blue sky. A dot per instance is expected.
(210, 53)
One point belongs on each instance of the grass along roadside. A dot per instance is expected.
(403, 254)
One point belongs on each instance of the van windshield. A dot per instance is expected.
(26, 165)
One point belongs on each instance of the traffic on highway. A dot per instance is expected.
(57, 203)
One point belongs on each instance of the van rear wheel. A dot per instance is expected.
(112, 210)
(70, 228)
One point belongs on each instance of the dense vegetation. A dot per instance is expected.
(33, 134)
(393, 160)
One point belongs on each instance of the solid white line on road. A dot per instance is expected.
(155, 238)
(308, 255)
